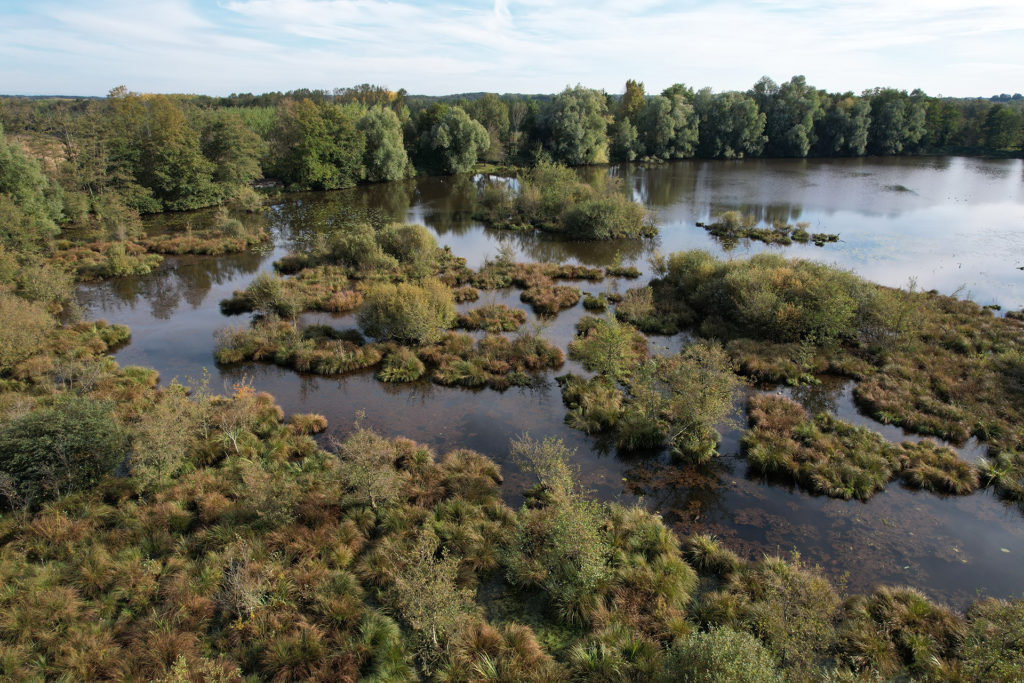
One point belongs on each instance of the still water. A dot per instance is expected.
(951, 224)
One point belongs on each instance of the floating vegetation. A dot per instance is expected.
(732, 226)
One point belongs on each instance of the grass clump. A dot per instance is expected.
(595, 304)
(401, 365)
(496, 361)
(549, 300)
(828, 456)
(824, 455)
(493, 318)
(551, 197)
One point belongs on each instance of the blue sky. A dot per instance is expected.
(86, 47)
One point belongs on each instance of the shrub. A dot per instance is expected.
(720, 655)
(608, 347)
(993, 646)
(62, 448)
(28, 336)
(416, 314)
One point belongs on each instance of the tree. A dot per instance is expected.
(414, 314)
(668, 127)
(625, 141)
(366, 469)
(1004, 127)
(731, 127)
(234, 150)
(28, 336)
(493, 114)
(897, 121)
(843, 129)
(29, 203)
(384, 157)
(457, 141)
(577, 121)
(316, 146)
(684, 397)
(791, 111)
(62, 448)
(632, 101)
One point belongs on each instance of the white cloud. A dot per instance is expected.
(509, 45)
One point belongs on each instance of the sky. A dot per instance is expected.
(217, 47)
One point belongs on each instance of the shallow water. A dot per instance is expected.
(948, 222)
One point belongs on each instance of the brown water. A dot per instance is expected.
(952, 223)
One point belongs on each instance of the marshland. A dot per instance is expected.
(527, 425)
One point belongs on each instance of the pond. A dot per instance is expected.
(949, 223)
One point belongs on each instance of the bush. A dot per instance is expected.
(63, 448)
(415, 314)
(721, 655)
(20, 341)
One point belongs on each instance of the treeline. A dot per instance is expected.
(105, 160)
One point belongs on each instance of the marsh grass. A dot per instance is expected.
(830, 457)
(492, 318)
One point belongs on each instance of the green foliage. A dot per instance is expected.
(730, 125)
(417, 314)
(366, 469)
(29, 203)
(993, 645)
(608, 347)
(668, 128)
(720, 655)
(384, 158)
(401, 366)
(457, 141)
(59, 449)
(316, 146)
(234, 149)
(791, 112)
(576, 120)
(897, 121)
(28, 336)
(560, 547)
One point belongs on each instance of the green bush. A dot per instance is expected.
(721, 655)
(415, 314)
(19, 341)
(63, 448)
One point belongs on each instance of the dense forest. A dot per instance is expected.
(107, 159)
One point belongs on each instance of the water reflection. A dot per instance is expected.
(962, 223)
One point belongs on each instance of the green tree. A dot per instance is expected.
(234, 149)
(457, 141)
(316, 146)
(1004, 127)
(791, 111)
(29, 203)
(385, 157)
(843, 129)
(577, 122)
(625, 141)
(493, 114)
(63, 448)
(731, 127)
(668, 127)
(897, 121)
(943, 121)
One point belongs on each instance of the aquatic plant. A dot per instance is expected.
(492, 318)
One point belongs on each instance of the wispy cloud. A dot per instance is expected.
(941, 46)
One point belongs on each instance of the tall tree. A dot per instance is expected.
(897, 121)
(791, 111)
(632, 101)
(384, 157)
(843, 129)
(730, 125)
(316, 146)
(457, 141)
(577, 122)
(668, 127)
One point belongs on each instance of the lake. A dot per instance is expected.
(947, 223)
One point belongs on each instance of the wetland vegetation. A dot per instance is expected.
(153, 529)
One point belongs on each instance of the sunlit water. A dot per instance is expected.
(951, 224)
